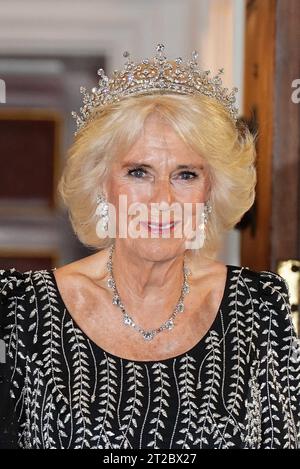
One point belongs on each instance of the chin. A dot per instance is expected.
(158, 249)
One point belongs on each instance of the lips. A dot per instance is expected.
(154, 226)
(155, 223)
(160, 225)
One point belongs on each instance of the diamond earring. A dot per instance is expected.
(102, 212)
(207, 211)
(204, 218)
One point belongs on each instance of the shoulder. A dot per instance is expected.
(273, 299)
(26, 299)
(273, 288)
(11, 282)
(273, 284)
(18, 290)
(266, 295)
(268, 283)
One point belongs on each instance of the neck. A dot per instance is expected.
(145, 283)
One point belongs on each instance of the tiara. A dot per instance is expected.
(155, 75)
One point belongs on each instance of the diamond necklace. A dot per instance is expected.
(128, 320)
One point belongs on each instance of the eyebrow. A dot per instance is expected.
(180, 166)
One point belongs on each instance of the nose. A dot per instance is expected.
(162, 192)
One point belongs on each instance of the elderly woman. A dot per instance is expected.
(150, 342)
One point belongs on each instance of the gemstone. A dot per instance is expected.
(160, 47)
(103, 210)
(116, 300)
(169, 324)
(180, 307)
(127, 320)
(195, 55)
(148, 335)
(110, 283)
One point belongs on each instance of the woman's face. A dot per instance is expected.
(159, 169)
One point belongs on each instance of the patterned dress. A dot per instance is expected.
(238, 387)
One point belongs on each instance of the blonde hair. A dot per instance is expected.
(201, 121)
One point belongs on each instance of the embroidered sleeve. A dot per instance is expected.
(279, 374)
(10, 283)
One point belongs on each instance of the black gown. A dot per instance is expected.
(238, 387)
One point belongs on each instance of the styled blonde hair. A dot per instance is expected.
(203, 124)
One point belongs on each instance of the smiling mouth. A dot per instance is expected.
(159, 226)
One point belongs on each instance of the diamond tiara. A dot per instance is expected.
(155, 75)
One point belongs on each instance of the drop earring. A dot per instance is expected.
(207, 211)
(204, 218)
(102, 213)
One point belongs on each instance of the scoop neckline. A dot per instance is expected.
(190, 351)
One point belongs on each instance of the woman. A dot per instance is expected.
(151, 342)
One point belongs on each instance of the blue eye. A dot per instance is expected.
(139, 173)
(134, 172)
(190, 173)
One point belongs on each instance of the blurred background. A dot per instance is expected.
(49, 48)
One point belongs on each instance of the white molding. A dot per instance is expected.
(95, 27)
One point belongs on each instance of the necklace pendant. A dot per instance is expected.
(110, 283)
(148, 335)
(116, 300)
(180, 307)
(169, 324)
(127, 320)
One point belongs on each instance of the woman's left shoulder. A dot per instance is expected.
(272, 283)
(273, 298)
(269, 283)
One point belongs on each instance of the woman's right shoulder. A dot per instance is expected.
(20, 288)
(11, 282)
(26, 298)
